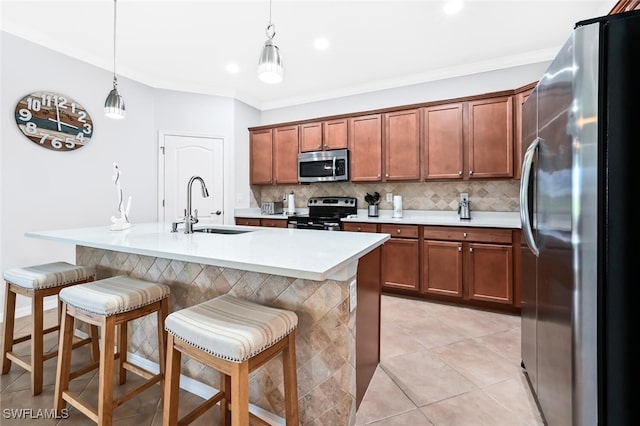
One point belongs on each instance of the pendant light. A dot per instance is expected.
(270, 64)
(114, 104)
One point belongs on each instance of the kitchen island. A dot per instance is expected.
(308, 272)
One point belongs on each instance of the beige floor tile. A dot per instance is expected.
(412, 418)
(397, 342)
(424, 378)
(477, 323)
(477, 363)
(383, 399)
(514, 394)
(471, 408)
(506, 343)
(431, 332)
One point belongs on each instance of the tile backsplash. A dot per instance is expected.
(494, 195)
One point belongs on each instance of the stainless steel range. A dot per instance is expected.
(325, 213)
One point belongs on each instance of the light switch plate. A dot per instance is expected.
(353, 295)
(389, 197)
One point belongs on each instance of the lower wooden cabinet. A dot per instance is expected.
(401, 257)
(252, 221)
(469, 264)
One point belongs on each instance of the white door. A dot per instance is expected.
(186, 156)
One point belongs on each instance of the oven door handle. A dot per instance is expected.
(334, 166)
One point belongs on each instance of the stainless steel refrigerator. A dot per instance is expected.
(578, 213)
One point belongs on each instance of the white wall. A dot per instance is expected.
(42, 189)
(245, 117)
(474, 84)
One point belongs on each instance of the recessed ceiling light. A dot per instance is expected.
(452, 7)
(232, 68)
(321, 43)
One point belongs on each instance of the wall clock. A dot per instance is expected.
(54, 121)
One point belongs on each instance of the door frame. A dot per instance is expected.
(227, 214)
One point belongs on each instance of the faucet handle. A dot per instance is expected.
(195, 216)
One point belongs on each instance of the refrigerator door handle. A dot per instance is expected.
(524, 199)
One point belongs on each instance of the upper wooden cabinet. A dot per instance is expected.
(518, 143)
(261, 157)
(490, 138)
(274, 156)
(402, 145)
(365, 146)
(324, 135)
(443, 141)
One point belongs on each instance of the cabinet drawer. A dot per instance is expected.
(400, 231)
(482, 235)
(247, 221)
(274, 223)
(360, 227)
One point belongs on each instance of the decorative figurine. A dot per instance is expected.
(123, 221)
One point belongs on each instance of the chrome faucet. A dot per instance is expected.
(189, 218)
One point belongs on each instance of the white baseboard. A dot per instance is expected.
(49, 303)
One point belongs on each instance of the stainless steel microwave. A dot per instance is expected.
(323, 166)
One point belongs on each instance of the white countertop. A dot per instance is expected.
(298, 253)
(442, 217)
(412, 217)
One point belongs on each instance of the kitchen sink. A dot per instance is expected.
(226, 231)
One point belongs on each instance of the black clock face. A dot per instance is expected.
(54, 121)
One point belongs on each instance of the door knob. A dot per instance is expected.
(218, 212)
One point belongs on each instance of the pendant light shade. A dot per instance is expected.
(270, 68)
(114, 104)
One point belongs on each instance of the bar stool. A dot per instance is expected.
(108, 303)
(38, 282)
(234, 337)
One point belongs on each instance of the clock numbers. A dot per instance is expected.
(53, 121)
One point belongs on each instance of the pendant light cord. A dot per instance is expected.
(115, 17)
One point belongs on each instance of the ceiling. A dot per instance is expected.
(374, 45)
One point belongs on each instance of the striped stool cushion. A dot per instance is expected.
(113, 295)
(231, 328)
(48, 275)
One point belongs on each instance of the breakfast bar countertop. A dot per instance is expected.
(295, 253)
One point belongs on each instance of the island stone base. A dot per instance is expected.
(325, 338)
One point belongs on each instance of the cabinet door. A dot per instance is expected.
(365, 144)
(400, 264)
(443, 142)
(442, 268)
(521, 142)
(285, 143)
(310, 137)
(261, 157)
(402, 145)
(335, 134)
(490, 273)
(490, 135)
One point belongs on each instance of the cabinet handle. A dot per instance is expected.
(386, 175)
(318, 146)
(459, 172)
(378, 174)
(459, 248)
(470, 172)
(398, 230)
(325, 145)
(464, 234)
(470, 249)
(359, 229)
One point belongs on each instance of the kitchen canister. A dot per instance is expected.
(397, 206)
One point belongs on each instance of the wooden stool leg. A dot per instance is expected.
(162, 334)
(95, 343)
(122, 350)
(290, 381)
(105, 387)
(171, 384)
(225, 386)
(65, 346)
(240, 394)
(37, 348)
(8, 324)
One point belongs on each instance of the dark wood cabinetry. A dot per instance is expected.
(469, 264)
(443, 141)
(520, 143)
(490, 138)
(402, 145)
(273, 156)
(252, 221)
(360, 227)
(365, 146)
(401, 258)
(324, 135)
